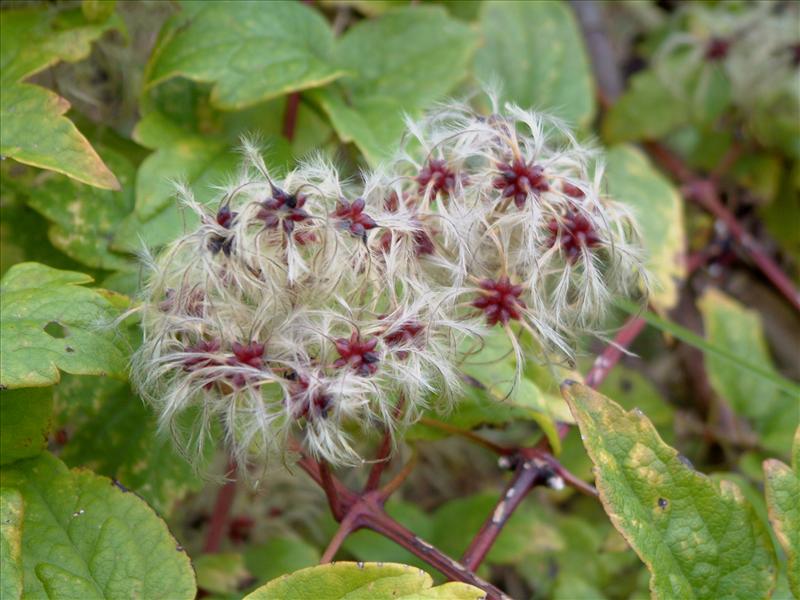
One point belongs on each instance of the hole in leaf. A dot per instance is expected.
(662, 503)
(55, 330)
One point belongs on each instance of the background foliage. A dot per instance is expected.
(103, 105)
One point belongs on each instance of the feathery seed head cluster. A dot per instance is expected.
(755, 45)
(308, 306)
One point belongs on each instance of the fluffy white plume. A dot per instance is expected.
(307, 307)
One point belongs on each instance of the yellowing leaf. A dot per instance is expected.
(32, 39)
(84, 219)
(773, 412)
(698, 540)
(363, 581)
(658, 208)
(34, 130)
(782, 489)
(10, 544)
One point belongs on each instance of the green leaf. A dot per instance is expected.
(493, 396)
(24, 422)
(220, 573)
(536, 51)
(83, 537)
(23, 232)
(48, 321)
(113, 433)
(280, 556)
(648, 109)
(33, 39)
(658, 209)
(10, 544)
(367, 581)
(630, 389)
(782, 489)
(689, 337)
(34, 131)
(698, 540)
(98, 10)
(400, 62)
(85, 219)
(730, 325)
(251, 52)
(200, 162)
(195, 143)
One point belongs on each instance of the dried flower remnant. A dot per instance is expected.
(499, 300)
(574, 233)
(283, 209)
(352, 217)
(518, 180)
(717, 49)
(358, 354)
(437, 177)
(308, 339)
(748, 44)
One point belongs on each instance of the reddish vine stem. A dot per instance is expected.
(290, 115)
(381, 462)
(526, 479)
(704, 194)
(331, 491)
(221, 512)
(612, 353)
(526, 476)
(569, 478)
(379, 522)
(382, 458)
(349, 524)
(396, 481)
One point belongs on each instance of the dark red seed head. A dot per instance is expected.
(423, 244)
(574, 233)
(250, 354)
(437, 176)
(717, 49)
(304, 404)
(203, 347)
(357, 353)
(283, 209)
(571, 190)
(518, 179)
(218, 242)
(499, 300)
(406, 334)
(225, 216)
(351, 216)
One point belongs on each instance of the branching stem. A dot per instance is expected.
(222, 510)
